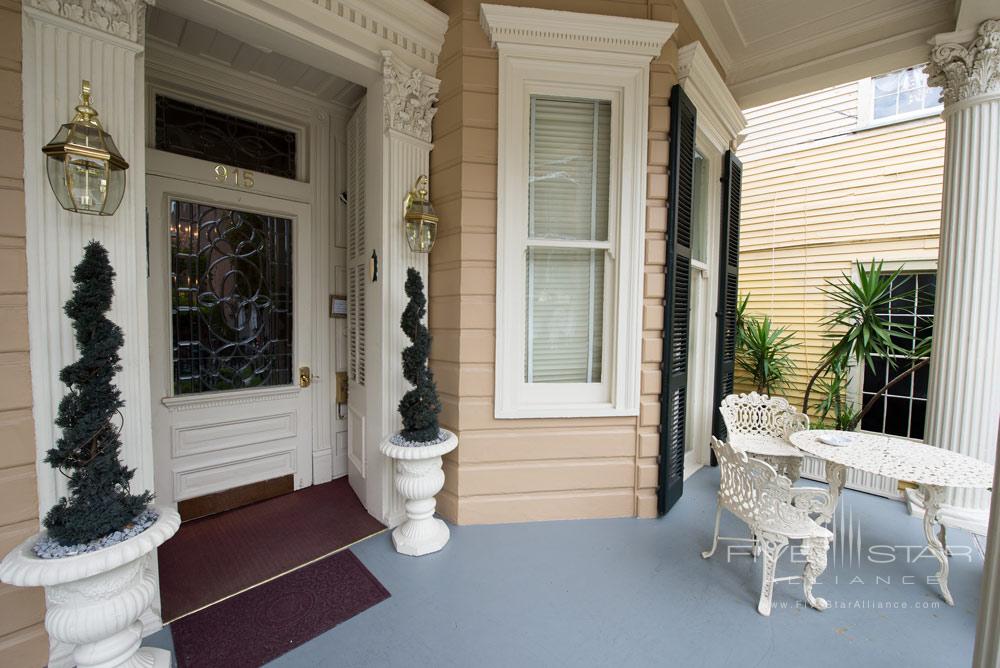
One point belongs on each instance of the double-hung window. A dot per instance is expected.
(567, 246)
(571, 185)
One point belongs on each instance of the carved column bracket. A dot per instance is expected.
(409, 97)
(121, 18)
(966, 71)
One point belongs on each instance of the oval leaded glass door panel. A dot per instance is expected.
(231, 298)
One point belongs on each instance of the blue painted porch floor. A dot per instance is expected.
(637, 592)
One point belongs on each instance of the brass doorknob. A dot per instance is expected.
(305, 376)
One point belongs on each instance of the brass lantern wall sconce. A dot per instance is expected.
(419, 218)
(85, 169)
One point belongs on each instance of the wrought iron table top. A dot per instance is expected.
(899, 459)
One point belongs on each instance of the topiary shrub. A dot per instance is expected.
(100, 501)
(420, 406)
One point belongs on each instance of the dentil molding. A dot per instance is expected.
(121, 18)
(573, 30)
(408, 98)
(965, 71)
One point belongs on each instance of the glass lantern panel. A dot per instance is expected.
(87, 179)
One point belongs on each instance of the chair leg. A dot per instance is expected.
(771, 548)
(715, 536)
(816, 549)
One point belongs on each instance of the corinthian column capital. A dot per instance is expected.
(408, 99)
(121, 18)
(966, 71)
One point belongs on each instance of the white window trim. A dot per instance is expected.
(918, 263)
(866, 109)
(595, 57)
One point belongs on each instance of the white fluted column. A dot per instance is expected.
(987, 651)
(964, 395)
(401, 146)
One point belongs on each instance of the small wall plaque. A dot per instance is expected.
(338, 306)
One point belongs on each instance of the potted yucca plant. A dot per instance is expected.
(420, 444)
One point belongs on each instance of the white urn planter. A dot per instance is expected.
(94, 599)
(419, 477)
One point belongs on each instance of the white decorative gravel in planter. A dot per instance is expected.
(94, 599)
(419, 478)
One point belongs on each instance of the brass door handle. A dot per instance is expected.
(305, 376)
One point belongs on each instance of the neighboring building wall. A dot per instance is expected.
(22, 637)
(818, 194)
(536, 469)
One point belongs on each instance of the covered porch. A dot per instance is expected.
(634, 592)
(413, 89)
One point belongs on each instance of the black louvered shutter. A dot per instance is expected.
(729, 269)
(677, 311)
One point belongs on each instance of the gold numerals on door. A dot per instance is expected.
(234, 176)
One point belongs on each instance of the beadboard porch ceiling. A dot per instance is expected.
(774, 49)
(198, 40)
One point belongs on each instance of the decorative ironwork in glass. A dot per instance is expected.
(231, 298)
(206, 134)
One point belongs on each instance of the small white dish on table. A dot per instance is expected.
(838, 438)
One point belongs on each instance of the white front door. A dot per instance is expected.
(230, 328)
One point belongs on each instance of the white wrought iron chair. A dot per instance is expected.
(776, 513)
(760, 425)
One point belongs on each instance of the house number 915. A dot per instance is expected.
(234, 176)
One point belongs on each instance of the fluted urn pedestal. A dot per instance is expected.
(94, 600)
(419, 478)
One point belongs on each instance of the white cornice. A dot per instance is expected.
(716, 106)
(574, 30)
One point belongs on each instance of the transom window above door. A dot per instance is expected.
(203, 133)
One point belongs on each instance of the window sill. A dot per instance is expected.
(564, 411)
(898, 119)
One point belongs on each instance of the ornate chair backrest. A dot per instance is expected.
(749, 488)
(752, 415)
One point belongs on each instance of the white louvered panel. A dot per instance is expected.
(352, 326)
(360, 351)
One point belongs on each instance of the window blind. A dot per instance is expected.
(568, 204)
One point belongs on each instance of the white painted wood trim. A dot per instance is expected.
(574, 30)
(623, 80)
(591, 57)
(719, 115)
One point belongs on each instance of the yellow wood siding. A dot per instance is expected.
(813, 206)
(22, 636)
(801, 120)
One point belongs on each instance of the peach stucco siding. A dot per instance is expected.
(22, 637)
(532, 469)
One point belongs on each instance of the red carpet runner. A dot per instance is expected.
(215, 557)
(262, 624)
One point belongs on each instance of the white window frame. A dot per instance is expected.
(922, 263)
(866, 106)
(569, 54)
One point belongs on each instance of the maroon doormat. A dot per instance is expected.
(265, 622)
(215, 557)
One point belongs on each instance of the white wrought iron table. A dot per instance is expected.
(929, 468)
